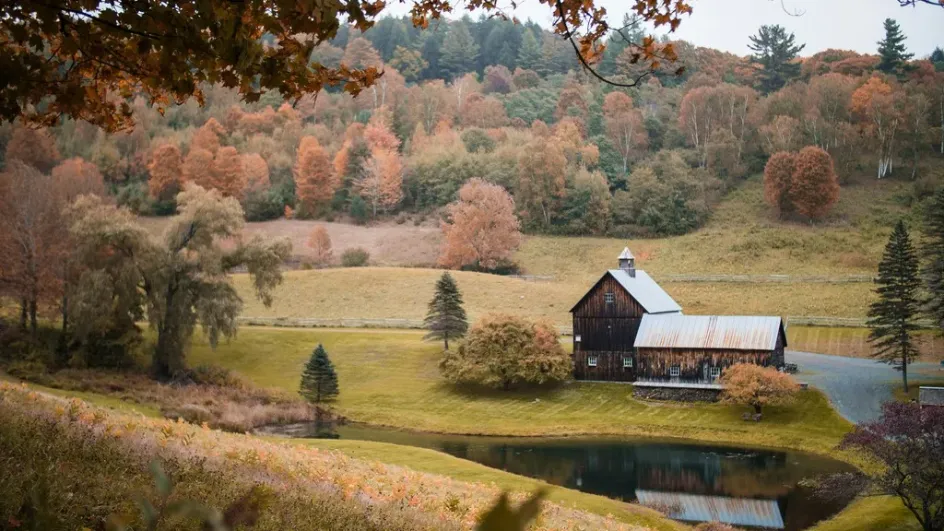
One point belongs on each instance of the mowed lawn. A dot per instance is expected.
(392, 378)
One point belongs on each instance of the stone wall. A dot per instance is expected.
(677, 394)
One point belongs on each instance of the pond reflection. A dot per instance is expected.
(744, 487)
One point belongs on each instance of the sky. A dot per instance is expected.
(727, 24)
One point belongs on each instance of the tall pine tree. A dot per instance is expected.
(892, 316)
(529, 54)
(775, 50)
(892, 48)
(319, 381)
(459, 52)
(933, 251)
(446, 317)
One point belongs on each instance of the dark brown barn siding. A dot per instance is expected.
(609, 366)
(655, 362)
(594, 303)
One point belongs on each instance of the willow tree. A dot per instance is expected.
(185, 276)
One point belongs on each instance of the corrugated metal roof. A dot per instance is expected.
(734, 511)
(709, 332)
(931, 396)
(646, 292)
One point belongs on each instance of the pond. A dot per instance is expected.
(697, 482)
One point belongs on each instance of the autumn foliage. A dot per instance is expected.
(756, 386)
(482, 229)
(320, 244)
(503, 351)
(805, 183)
(166, 171)
(315, 178)
(778, 177)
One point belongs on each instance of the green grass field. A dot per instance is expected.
(391, 378)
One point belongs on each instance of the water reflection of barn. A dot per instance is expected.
(627, 328)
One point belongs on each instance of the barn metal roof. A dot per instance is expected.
(709, 332)
(625, 255)
(646, 291)
(698, 508)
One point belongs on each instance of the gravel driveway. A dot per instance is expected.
(857, 387)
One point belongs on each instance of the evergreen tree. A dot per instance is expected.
(892, 316)
(459, 53)
(892, 48)
(319, 381)
(937, 57)
(529, 55)
(446, 317)
(933, 251)
(775, 50)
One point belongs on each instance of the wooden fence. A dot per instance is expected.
(294, 322)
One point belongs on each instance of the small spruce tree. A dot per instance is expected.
(892, 48)
(892, 316)
(933, 251)
(446, 317)
(319, 381)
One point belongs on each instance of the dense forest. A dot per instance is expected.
(509, 103)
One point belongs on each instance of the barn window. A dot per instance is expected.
(674, 371)
(715, 372)
(609, 297)
(627, 362)
(591, 361)
(577, 338)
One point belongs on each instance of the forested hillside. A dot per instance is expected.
(509, 104)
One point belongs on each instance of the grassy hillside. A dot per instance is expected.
(741, 238)
(392, 378)
(90, 463)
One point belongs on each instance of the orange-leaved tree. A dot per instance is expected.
(165, 172)
(542, 169)
(197, 168)
(320, 244)
(482, 229)
(382, 183)
(624, 126)
(814, 187)
(877, 104)
(34, 147)
(228, 174)
(315, 178)
(75, 176)
(778, 175)
(256, 171)
(756, 386)
(208, 136)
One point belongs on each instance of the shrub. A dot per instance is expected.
(502, 351)
(355, 257)
(756, 386)
(359, 210)
(216, 375)
(263, 205)
(477, 140)
(26, 370)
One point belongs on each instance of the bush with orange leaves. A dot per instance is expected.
(756, 386)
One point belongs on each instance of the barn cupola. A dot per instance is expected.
(627, 262)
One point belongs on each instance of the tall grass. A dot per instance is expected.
(92, 462)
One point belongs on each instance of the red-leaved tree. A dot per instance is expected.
(814, 188)
(909, 441)
(778, 174)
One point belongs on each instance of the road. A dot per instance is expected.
(857, 387)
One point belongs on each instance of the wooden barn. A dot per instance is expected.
(627, 328)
